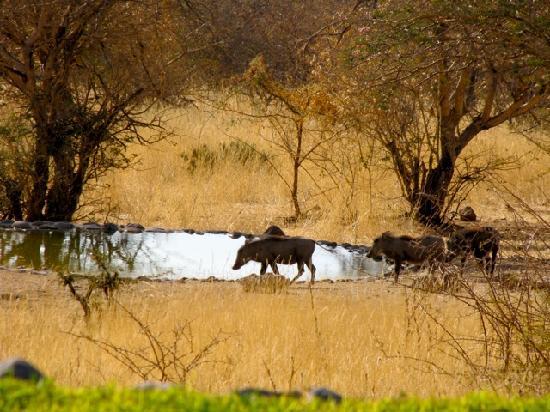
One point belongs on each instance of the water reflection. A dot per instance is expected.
(161, 255)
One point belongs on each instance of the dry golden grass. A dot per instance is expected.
(344, 340)
(274, 338)
(161, 192)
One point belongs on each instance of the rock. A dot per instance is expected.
(132, 229)
(467, 214)
(6, 224)
(21, 224)
(110, 228)
(46, 226)
(92, 226)
(40, 223)
(157, 230)
(364, 249)
(327, 243)
(265, 393)
(324, 394)
(64, 225)
(153, 386)
(247, 392)
(19, 369)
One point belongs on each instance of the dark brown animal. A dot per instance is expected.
(408, 249)
(273, 250)
(270, 232)
(274, 231)
(482, 242)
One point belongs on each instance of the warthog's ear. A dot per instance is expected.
(386, 235)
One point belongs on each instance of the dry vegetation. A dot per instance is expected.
(345, 339)
(161, 191)
(357, 338)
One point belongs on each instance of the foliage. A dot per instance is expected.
(15, 147)
(425, 78)
(236, 152)
(19, 396)
(105, 282)
(86, 74)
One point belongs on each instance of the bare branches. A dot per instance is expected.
(166, 360)
(451, 70)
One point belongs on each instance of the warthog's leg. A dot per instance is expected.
(275, 268)
(300, 271)
(311, 268)
(263, 269)
(397, 270)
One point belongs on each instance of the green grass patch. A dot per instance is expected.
(46, 396)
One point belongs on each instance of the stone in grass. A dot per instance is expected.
(153, 386)
(266, 393)
(19, 369)
(324, 394)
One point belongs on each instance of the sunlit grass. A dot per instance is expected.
(350, 338)
(160, 190)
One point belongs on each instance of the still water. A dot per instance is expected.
(162, 255)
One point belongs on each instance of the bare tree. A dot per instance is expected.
(435, 75)
(86, 72)
(290, 110)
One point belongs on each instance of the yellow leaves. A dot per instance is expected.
(304, 100)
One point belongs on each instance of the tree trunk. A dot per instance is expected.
(13, 193)
(66, 189)
(297, 163)
(37, 198)
(432, 199)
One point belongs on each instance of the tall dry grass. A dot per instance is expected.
(354, 338)
(160, 190)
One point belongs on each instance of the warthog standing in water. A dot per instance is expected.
(482, 242)
(408, 249)
(278, 249)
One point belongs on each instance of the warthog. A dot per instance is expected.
(274, 231)
(408, 249)
(482, 242)
(270, 232)
(273, 250)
